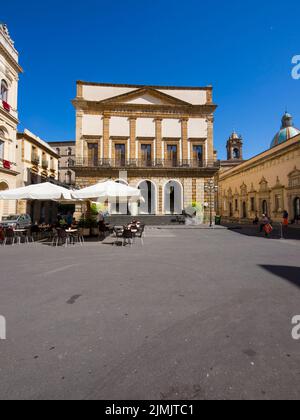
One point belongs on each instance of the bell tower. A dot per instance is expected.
(235, 147)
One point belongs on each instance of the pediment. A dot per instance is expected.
(294, 173)
(145, 96)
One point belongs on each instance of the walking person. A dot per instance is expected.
(285, 224)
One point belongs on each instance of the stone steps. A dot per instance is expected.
(147, 220)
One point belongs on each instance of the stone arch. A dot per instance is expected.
(4, 204)
(173, 197)
(149, 192)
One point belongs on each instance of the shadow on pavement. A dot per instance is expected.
(291, 274)
(254, 230)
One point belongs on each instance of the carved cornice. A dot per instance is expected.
(80, 82)
(183, 111)
(146, 172)
(10, 59)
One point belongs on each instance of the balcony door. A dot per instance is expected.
(93, 154)
(197, 155)
(120, 154)
(172, 155)
(146, 154)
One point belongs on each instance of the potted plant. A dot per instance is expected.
(85, 226)
(94, 226)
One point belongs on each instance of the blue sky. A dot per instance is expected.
(243, 48)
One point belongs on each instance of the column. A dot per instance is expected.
(106, 136)
(210, 138)
(79, 140)
(184, 138)
(132, 130)
(158, 137)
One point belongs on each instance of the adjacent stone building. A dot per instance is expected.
(37, 162)
(67, 152)
(9, 78)
(159, 139)
(266, 184)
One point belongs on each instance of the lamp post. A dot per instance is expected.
(211, 188)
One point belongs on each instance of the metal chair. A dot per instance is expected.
(127, 237)
(118, 232)
(60, 238)
(10, 237)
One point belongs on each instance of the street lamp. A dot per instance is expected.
(211, 188)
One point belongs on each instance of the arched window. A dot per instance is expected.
(2, 143)
(69, 151)
(58, 150)
(4, 91)
(236, 154)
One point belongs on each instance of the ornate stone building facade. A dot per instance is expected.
(67, 152)
(9, 78)
(160, 138)
(266, 184)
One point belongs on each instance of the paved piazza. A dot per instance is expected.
(193, 314)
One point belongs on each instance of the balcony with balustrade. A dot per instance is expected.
(140, 164)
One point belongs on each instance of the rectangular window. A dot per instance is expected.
(120, 154)
(198, 155)
(93, 154)
(172, 155)
(146, 154)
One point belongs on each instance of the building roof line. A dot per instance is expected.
(137, 86)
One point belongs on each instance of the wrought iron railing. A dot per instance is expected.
(35, 159)
(45, 164)
(140, 163)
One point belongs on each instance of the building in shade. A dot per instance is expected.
(160, 138)
(266, 184)
(9, 79)
(66, 151)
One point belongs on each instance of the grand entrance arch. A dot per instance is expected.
(148, 191)
(173, 198)
(297, 208)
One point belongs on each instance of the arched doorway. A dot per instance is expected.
(265, 207)
(244, 210)
(148, 191)
(173, 198)
(4, 205)
(297, 208)
(230, 210)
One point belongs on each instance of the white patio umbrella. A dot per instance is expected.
(45, 191)
(107, 190)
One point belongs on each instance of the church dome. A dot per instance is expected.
(286, 132)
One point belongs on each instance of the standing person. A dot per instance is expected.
(285, 223)
(69, 219)
(101, 225)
